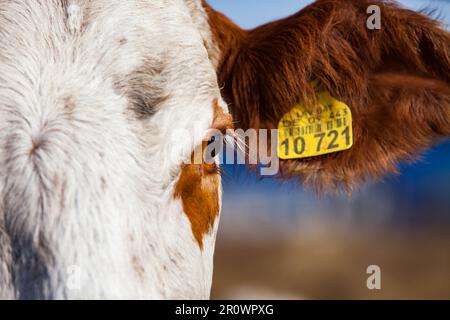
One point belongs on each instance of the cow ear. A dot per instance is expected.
(395, 81)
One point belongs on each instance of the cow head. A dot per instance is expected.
(104, 103)
(99, 101)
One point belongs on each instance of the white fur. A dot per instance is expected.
(94, 200)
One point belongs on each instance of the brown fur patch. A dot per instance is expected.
(396, 81)
(222, 121)
(198, 185)
(198, 188)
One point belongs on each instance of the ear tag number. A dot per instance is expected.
(303, 135)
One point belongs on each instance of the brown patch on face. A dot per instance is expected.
(198, 186)
(198, 189)
(222, 121)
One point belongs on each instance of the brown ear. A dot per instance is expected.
(395, 80)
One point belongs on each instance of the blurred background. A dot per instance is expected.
(279, 241)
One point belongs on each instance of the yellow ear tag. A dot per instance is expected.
(303, 135)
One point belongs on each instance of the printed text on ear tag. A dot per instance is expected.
(303, 135)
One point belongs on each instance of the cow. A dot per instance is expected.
(98, 197)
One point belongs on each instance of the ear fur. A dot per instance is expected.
(395, 80)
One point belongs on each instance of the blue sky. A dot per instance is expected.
(250, 13)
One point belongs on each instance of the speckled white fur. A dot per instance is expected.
(87, 208)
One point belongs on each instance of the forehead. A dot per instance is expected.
(118, 36)
(148, 55)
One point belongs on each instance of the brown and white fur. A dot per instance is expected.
(99, 100)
